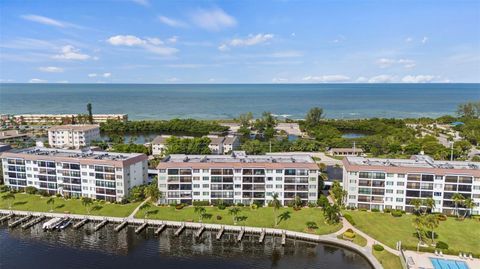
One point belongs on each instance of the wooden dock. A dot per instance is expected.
(80, 223)
(160, 229)
(33, 222)
(220, 232)
(7, 217)
(199, 232)
(141, 227)
(284, 238)
(100, 225)
(15, 223)
(262, 236)
(240, 235)
(179, 231)
(120, 226)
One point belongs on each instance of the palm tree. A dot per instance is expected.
(431, 222)
(51, 202)
(469, 204)
(418, 223)
(430, 204)
(332, 213)
(311, 225)
(234, 212)
(87, 202)
(144, 207)
(200, 210)
(9, 197)
(457, 199)
(284, 216)
(276, 205)
(416, 203)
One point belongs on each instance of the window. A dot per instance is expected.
(278, 186)
(278, 171)
(437, 194)
(352, 197)
(399, 200)
(352, 181)
(269, 186)
(206, 185)
(400, 191)
(205, 170)
(389, 191)
(196, 185)
(206, 193)
(161, 170)
(269, 171)
(389, 183)
(196, 170)
(399, 183)
(389, 175)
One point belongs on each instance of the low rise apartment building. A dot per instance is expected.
(74, 173)
(374, 183)
(59, 118)
(218, 144)
(238, 178)
(73, 136)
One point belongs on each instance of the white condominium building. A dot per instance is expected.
(73, 136)
(374, 183)
(238, 178)
(99, 175)
(218, 144)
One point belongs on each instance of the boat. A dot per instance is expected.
(64, 224)
(51, 223)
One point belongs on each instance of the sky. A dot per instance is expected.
(147, 41)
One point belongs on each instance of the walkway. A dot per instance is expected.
(132, 216)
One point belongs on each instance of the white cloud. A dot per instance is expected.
(51, 69)
(125, 40)
(361, 79)
(92, 75)
(44, 20)
(173, 39)
(107, 75)
(69, 52)
(327, 78)
(154, 45)
(251, 40)
(381, 79)
(279, 80)
(424, 40)
(213, 19)
(37, 80)
(62, 81)
(144, 3)
(171, 22)
(386, 62)
(408, 39)
(418, 79)
(172, 79)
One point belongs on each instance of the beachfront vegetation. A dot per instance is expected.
(175, 126)
(38, 203)
(460, 234)
(130, 148)
(196, 145)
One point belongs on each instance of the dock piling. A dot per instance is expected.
(33, 222)
(15, 223)
(80, 223)
(179, 231)
(240, 235)
(141, 227)
(220, 232)
(160, 229)
(120, 226)
(100, 225)
(199, 231)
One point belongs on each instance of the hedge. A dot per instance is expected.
(349, 219)
(378, 247)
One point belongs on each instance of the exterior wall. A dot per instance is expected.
(379, 189)
(72, 138)
(234, 185)
(158, 149)
(72, 178)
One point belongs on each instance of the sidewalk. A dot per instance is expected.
(135, 211)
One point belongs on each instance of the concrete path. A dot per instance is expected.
(132, 216)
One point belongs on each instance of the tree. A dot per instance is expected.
(338, 192)
(284, 216)
(245, 119)
(152, 191)
(234, 212)
(145, 208)
(200, 210)
(87, 202)
(196, 145)
(311, 225)
(431, 222)
(9, 197)
(416, 203)
(51, 202)
(469, 110)
(458, 199)
(314, 116)
(332, 214)
(297, 201)
(418, 223)
(276, 206)
(469, 205)
(90, 115)
(430, 204)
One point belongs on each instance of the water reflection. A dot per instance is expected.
(85, 248)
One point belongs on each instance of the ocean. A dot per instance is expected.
(226, 101)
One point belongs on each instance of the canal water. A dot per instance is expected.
(84, 248)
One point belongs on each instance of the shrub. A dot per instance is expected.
(222, 206)
(396, 213)
(362, 209)
(43, 193)
(441, 245)
(200, 203)
(219, 217)
(349, 235)
(442, 217)
(31, 190)
(3, 188)
(378, 247)
(311, 204)
(428, 234)
(349, 218)
(58, 195)
(387, 210)
(375, 210)
(240, 205)
(179, 206)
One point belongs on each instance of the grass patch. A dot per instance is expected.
(358, 239)
(387, 259)
(459, 235)
(260, 217)
(31, 202)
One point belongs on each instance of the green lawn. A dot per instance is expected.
(260, 217)
(358, 239)
(387, 259)
(459, 235)
(29, 202)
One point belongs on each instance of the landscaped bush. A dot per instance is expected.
(441, 245)
(179, 206)
(362, 209)
(3, 188)
(31, 190)
(240, 205)
(219, 217)
(43, 193)
(378, 247)
(442, 217)
(387, 210)
(349, 218)
(396, 213)
(200, 203)
(375, 210)
(222, 206)
(349, 235)
(311, 204)
(428, 234)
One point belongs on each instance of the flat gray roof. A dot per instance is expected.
(78, 154)
(417, 161)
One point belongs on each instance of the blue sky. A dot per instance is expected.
(147, 41)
